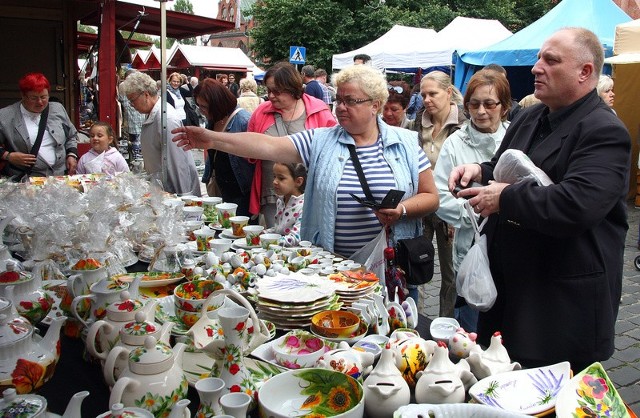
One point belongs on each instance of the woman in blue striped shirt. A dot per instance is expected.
(391, 158)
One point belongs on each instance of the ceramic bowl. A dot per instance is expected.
(335, 324)
(190, 296)
(298, 349)
(220, 245)
(311, 392)
(443, 328)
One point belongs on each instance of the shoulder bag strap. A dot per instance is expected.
(361, 177)
(41, 127)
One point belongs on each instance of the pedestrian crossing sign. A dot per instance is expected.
(297, 54)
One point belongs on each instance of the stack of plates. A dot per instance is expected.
(289, 301)
(352, 287)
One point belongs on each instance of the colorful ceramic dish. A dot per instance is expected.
(151, 278)
(527, 391)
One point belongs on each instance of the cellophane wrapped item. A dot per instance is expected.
(514, 166)
(111, 220)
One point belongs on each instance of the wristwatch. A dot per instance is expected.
(404, 212)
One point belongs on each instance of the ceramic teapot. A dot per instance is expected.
(102, 294)
(27, 360)
(344, 359)
(440, 381)
(153, 376)
(118, 410)
(130, 336)
(26, 293)
(35, 406)
(104, 334)
(385, 390)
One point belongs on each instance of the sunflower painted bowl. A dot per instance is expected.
(311, 393)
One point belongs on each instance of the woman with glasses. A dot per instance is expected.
(57, 152)
(390, 157)
(394, 112)
(231, 175)
(440, 117)
(488, 102)
(287, 111)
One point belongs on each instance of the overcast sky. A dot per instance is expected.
(206, 8)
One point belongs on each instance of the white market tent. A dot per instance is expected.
(210, 58)
(626, 67)
(405, 48)
(398, 48)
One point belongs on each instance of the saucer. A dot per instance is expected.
(242, 243)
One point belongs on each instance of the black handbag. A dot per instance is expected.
(415, 257)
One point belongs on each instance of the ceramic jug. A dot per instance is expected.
(179, 409)
(234, 373)
(27, 360)
(209, 390)
(102, 294)
(439, 382)
(80, 283)
(384, 389)
(26, 294)
(153, 376)
(206, 332)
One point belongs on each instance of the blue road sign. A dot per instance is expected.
(297, 54)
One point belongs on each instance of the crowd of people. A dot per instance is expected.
(295, 160)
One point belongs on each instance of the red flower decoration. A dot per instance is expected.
(240, 326)
(235, 388)
(209, 332)
(127, 305)
(234, 369)
(26, 305)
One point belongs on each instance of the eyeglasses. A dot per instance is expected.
(487, 104)
(275, 92)
(44, 98)
(349, 102)
(137, 97)
(202, 107)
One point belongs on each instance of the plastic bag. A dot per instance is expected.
(514, 166)
(371, 256)
(474, 281)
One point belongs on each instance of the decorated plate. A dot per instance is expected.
(193, 247)
(590, 394)
(242, 243)
(527, 391)
(151, 279)
(458, 410)
(294, 288)
(227, 233)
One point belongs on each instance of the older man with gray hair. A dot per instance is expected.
(166, 162)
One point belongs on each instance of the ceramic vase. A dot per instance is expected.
(236, 404)
(236, 376)
(209, 390)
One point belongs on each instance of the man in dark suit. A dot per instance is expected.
(556, 252)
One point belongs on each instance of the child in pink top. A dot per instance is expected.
(288, 183)
(102, 139)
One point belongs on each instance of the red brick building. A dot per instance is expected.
(235, 38)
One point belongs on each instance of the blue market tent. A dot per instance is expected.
(518, 53)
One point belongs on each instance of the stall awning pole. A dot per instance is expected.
(107, 66)
(163, 84)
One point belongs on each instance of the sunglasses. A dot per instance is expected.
(487, 104)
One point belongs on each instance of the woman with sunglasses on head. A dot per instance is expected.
(488, 102)
(390, 157)
(231, 175)
(440, 117)
(394, 112)
(287, 111)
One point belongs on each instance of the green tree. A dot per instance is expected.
(327, 27)
(183, 6)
